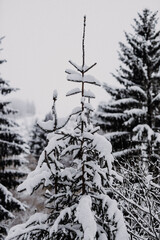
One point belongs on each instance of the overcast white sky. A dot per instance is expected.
(42, 35)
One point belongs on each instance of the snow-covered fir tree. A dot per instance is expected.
(37, 141)
(131, 121)
(11, 158)
(80, 200)
(38, 138)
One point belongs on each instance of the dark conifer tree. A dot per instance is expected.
(131, 120)
(11, 149)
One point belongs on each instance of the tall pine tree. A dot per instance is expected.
(79, 197)
(11, 149)
(131, 120)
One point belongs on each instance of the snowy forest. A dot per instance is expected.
(93, 174)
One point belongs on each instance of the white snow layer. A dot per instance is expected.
(140, 129)
(157, 140)
(103, 237)
(157, 98)
(61, 122)
(63, 213)
(138, 89)
(38, 219)
(124, 101)
(104, 147)
(42, 172)
(9, 198)
(114, 214)
(47, 126)
(55, 94)
(76, 77)
(79, 68)
(85, 216)
(88, 106)
(135, 111)
(89, 94)
(73, 91)
(35, 178)
(70, 71)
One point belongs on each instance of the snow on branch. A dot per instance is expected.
(63, 213)
(70, 71)
(91, 80)
(129, 122)
(141, 129)
(115, 215)
(70, 149)
(88, 106)
(89, 94)
(123, 102)
(73, 91)
(85, 216)
(117, 176)
(76, 77)
(79, 68)
(4, 212)
(34, 224)
(122, 80)
(135, 111)
(156, 99)
(138, 90)
(111, 116)
(112, 135)
(136, 205)
(125, 152)
(103, 146)
(157, 117)
(9, 199)
(43, 171)
(35, 178)
(46, 126)
(55, 95)
(50, 126)
(1, 38)
(157, 140)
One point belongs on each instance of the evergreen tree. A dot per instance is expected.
(79, 197)
(38, 139)
(131, 121)
(11, 149)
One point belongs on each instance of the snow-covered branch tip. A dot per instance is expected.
(55, 95)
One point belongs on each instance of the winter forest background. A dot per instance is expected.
(81, 162)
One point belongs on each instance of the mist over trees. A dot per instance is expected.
(24, 107)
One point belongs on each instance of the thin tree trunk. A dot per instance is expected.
(82, 124)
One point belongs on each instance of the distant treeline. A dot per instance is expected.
(23, 107)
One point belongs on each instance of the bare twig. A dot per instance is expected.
(90, 67)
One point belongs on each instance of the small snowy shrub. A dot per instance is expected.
(77, 196)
